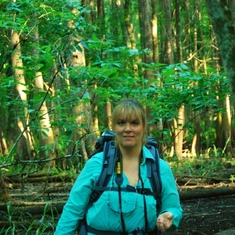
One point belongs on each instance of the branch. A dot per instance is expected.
(38, 161)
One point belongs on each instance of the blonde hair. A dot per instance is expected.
(126, 109)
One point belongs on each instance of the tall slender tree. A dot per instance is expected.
(187, 31)
(46, 135)
(178, 31)
(145, 30)
(131, 38)
(167, 38)
(26, 143)
(224, 28)
(154, 22)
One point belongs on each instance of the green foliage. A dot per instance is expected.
(25, 223)
(205, 166)
(111, 74)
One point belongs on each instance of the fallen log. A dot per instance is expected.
(206, 192)
(38, 196)
(18, 207)
(39, 178)
(194, 180)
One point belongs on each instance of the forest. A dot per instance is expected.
(64, 65)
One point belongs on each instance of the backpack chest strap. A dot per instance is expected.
(128, 188)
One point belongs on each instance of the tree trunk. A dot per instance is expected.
(215, 53)
(168, 52)
(179, 132)
(108, 115)
(131, 41)
(187, 44)
(195, 35)
(227, 127)
(223, 127)
(196, 142)
(46, 135)
(208, 192)
(95, 118)
(101, 18)
(3, 126)
(131, 37)
(84, 133)
(117, 12)
(3, 143)
(178, 31)
(145, 30)
(26, 143)
(87, 17)
(155, 31)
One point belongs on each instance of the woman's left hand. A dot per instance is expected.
(164, 221)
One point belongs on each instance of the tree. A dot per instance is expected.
(178, 31)
(167, 38)
(221, 15)
(25, 144)
(145, 30)
(46, 135)
(131, 38)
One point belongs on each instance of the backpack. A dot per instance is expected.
(106, 144)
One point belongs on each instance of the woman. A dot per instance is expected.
(122, 212)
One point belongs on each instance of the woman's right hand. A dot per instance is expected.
(164, 221)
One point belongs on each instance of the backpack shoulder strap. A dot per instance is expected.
(153, 174)
(110, 155)
(109, 161)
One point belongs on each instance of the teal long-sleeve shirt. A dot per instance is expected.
(104, 214)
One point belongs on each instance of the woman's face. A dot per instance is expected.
(129, 132)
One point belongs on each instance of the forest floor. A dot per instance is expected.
(207, 216)
(37, 201)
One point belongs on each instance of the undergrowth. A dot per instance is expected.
(26, 223)
(208, 165)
